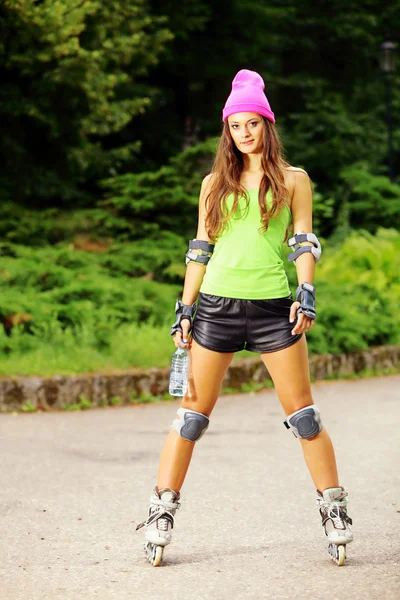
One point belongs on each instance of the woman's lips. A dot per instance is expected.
(248, 143)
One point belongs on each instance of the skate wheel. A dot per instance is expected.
(341, 555)
(338, 553)
(158, 556)
(154, 553)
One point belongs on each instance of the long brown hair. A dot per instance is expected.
(227, 169)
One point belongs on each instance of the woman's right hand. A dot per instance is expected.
(181, 340)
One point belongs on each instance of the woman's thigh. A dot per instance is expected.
(289, 370)
(207, 371)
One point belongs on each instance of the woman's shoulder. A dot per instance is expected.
(291, 172)
(206, 186)
(295, 175)
(207, 180)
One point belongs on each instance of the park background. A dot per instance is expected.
(110, 112)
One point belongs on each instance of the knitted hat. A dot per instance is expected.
(247, 95)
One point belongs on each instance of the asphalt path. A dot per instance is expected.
(74, 486)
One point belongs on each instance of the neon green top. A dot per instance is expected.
(248, 264)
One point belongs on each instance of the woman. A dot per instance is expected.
(246, 205)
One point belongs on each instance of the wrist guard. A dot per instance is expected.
(305, 294)
(183, 311)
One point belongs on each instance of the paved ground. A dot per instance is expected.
(73, 485)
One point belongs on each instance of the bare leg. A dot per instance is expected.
(207, 370)
(290, 373)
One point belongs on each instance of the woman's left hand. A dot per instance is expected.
(303, 323)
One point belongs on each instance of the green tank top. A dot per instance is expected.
(248, 264)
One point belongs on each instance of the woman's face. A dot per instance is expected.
(246, 129)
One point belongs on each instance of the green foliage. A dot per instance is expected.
(98, 88)
(147, 398)
(56, 350)
(115, 401)
(70, 74)
(82, 404)
(28, 407)
(379, 372)
(373, 200)
(159, 208)
(358, 286)
(166, 199)
(323, 211)
(252, 386)
(76, 287)
(80, 317)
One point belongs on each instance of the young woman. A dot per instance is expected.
(235, 270)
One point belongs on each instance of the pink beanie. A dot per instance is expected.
(247, 95)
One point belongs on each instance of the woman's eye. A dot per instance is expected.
(254, 123)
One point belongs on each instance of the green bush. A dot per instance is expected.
(58, 291)
(82, 311)
(162, 200)
(373, 200)
(358, 286)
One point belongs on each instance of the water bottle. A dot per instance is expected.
(179, 372)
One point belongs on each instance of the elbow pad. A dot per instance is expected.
(206, 250)
(296, 242)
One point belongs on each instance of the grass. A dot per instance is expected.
(67, 353)
(72, 311)
(28, 407)
(64, 352)
(83, 404)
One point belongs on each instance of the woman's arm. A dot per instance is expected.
(302, 222)
(305, 263)
(195, 271)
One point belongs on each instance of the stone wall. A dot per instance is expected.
(47, 393)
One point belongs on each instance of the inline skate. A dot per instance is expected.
(159, 523)
(332, 505)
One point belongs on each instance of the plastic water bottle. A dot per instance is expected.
(179, 372)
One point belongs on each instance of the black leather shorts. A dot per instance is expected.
(230, 325)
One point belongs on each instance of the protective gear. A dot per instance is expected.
(305, 423)
(190, 425)
(206, 250)
(183, 311)
(305, 294)
(297, 240)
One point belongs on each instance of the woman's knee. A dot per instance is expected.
(190, 425)
(305, 423)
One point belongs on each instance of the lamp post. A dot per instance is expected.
(388, 66)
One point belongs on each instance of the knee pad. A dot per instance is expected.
(190, 425)
(305, 423)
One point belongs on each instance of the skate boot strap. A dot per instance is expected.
(328, 504)
(165, 504)
(336, 514)
(159, 514)
(162, 512)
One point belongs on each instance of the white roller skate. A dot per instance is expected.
(163, 505)
(332, 504)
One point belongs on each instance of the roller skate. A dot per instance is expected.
(332, 505)
(163, 505)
